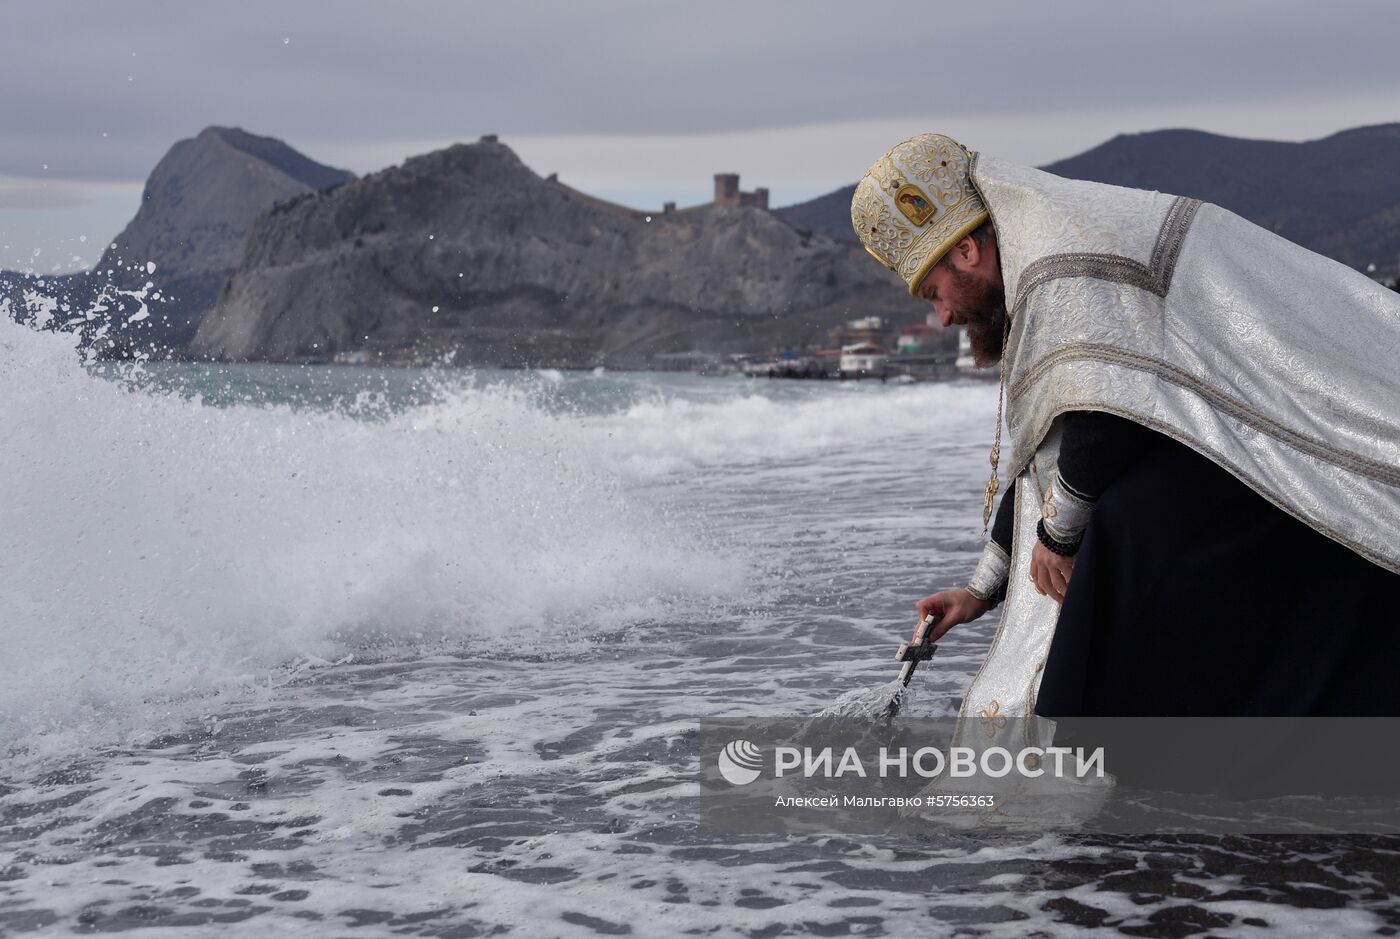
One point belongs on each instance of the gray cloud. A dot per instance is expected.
(28, 194)
(352, 74)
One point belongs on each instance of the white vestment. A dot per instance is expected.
(1274, 362)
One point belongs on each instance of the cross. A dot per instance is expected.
(911, 654)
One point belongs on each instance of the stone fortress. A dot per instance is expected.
(727, 192)
(729, 195)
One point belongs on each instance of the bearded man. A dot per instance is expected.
(1204, 510)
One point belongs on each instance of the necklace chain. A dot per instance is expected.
(992, 484)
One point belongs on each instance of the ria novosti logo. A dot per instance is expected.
(740, 762)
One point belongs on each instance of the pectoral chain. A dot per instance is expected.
(992, 484)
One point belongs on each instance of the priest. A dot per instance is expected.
(1201, 514)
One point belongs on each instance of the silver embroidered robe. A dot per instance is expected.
(1276, 363)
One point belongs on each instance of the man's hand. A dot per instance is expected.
(1050, 572)
(951, 607)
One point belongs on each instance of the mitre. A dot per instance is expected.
(915, 203)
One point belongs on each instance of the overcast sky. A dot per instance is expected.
(644, 101)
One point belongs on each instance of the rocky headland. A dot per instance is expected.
(187, 237)
(465, 255)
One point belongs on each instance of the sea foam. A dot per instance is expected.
(156, 550)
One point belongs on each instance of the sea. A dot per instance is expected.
(351, 651)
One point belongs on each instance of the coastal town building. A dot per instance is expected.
(863, 359)
(912, 339)
(868, 330)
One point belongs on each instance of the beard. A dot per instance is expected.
(984, 306)
(986, 334)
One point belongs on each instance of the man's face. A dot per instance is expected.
(974, 299)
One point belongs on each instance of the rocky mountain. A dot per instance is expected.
(829, 215)
(197, 207)
(1339, 196)
(465, 254)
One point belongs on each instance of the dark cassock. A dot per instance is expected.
(1204, 415)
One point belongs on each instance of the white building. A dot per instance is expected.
(863, 358)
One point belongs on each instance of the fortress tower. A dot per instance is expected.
(728, 194)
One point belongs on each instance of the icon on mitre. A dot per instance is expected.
(914, 204)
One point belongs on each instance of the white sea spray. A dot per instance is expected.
(154, 548)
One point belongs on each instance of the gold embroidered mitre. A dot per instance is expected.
(916, 203)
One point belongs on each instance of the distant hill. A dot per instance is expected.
(1339, 196)
(466, 253)
(197, 207)
(829, 214)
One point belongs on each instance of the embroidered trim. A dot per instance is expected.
(1154, 276)
(1017, 492)
(992, 718)
(990, 573)
(1361, 466)
(1064, 514)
